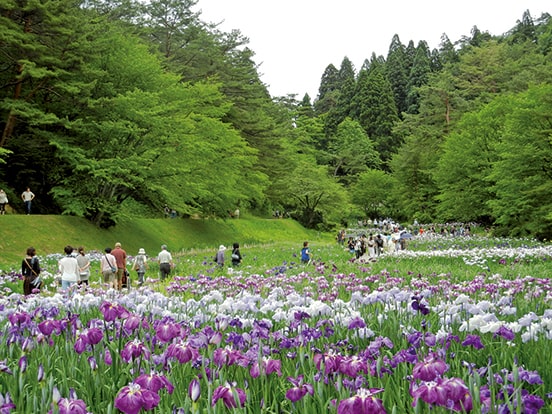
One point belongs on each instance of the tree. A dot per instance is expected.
(523, 172)
(397, 73)
(372, 193)
(463, 170)
(314, 195)
(328, 90)
(375, 110)
(419, 76)
(353, 152)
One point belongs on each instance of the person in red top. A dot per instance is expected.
(120, 256)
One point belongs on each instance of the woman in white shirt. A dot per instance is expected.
(69, 268)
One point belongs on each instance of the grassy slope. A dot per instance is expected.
(49, 234)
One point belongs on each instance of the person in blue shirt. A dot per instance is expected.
(305, 253)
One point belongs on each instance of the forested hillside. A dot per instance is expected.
(112, 109)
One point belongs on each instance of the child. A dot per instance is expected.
(305, 253)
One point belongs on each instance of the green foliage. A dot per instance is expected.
(180, 235)
(372, 193)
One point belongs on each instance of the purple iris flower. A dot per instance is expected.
(134, 349)
(300, 315)
(266, 367)
(451, 393)
(154, 382)
(40, 374)
(530, 377)
(299, 390)
(194, 390)
(134, 322)
(90, 336)
(429, 369)
(113, 311)
(418, 304)
(19, 318)
(357, 322)
(363, 402)
(181, 351)
(330, 360)
(132, 398)
(70, 406)
(23, 364)
(167, 331)
(6, 404)
(505, 332)
(473, 340)
(231, 396)
(50, 326)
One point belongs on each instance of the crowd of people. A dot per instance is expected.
(74, 268)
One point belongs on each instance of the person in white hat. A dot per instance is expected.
(220, 255)
(140, 265)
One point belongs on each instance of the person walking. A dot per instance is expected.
(69, 268)
(30, 269)
(140, 265)
(305, 253)
(108, 267)
(120, 257)
(236, 255)
(219, 258)
(3, 202)
(27, 196)
(83, 261)
(165, 262)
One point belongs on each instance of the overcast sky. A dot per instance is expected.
(295, 40)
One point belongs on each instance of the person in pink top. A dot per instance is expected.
(120, 256)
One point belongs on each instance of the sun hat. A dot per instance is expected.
(141, 251)
(221, 247)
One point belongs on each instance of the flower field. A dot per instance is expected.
(449, 325)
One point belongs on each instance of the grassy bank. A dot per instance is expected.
(49, 234)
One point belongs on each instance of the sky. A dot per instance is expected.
(295, 40)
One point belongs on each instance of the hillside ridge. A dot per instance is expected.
(50, 233)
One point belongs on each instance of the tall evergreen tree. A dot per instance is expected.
(374, 108)
(419, 75)
(346, 87)
(397, 73)
(328, 91)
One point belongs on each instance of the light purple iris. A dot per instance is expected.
(194, 390)
(231, 396)
(132, 398)
(363, 402)
(6, 403)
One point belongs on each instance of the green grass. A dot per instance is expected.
(49, 234)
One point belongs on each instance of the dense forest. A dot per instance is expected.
(114, 108)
